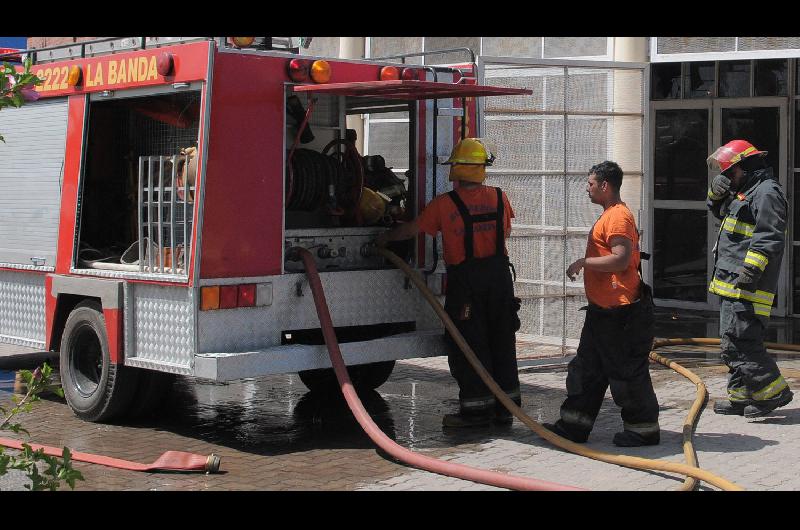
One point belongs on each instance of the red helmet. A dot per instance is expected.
(730, 154)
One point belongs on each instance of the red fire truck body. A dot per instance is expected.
(157, 193)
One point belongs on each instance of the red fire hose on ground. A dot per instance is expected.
(168, 461)
(384, 442)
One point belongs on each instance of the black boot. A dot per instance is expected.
(562, 429)
(634, 439)
(459, 421)
(762, 408)
(729, 408)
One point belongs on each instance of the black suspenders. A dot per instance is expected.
(469, 220)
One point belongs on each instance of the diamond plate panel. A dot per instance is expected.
(161, 326)
(22, 308)
(355, 298)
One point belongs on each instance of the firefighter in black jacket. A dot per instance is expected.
(749, 201)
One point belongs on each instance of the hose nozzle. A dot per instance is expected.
(212, 463)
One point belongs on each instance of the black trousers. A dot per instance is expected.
(480, 301)
(613, 351)
(754, 376)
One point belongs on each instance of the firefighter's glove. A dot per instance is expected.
(748, 277)
(720, 187)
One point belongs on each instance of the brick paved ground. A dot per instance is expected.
(272, 435)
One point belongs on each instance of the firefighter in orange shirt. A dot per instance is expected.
(617, 334)
(474, 220)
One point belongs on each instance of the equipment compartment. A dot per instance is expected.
(131, 218)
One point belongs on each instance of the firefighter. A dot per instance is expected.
(474, 220)
(751, 205)
(617, 333)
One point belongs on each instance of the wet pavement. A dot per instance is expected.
(272, 434)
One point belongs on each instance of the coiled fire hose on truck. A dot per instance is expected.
(621, 460)
(491, 478)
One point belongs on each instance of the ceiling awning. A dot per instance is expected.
(410, 90)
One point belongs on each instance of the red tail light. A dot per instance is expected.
(228, 296)
(299, 70)
(247, 295)
(409, 74)
(233, 296)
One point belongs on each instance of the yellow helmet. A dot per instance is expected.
(372, 206)
(469, 159)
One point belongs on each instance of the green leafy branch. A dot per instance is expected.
(55, 470)
(17, 87)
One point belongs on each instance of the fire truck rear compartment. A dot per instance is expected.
(119, 210)
(338, 199)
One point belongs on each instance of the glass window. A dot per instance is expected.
(665, 80)
(681, 148)
(758, 125)
(771, 77)
(700, 80)
(734, 79)
(680, 255)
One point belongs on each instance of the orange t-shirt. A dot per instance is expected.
(611, 289)
(441, 215)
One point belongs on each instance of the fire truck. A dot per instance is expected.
(151, 194)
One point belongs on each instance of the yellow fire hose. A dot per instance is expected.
(691, 471)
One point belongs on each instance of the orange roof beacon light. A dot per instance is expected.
(164, 64)
(242, 42)
(299, 70)
(390, 73)
(320, 71)
(74, 76)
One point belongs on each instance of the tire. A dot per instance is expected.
(95, 389)
(152, 390)
(364, 377)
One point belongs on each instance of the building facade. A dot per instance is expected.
(657, 105)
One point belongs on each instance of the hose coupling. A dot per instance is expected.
(212, 463)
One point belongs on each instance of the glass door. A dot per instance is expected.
(762, 122)
(680, 133)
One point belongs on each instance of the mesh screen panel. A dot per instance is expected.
(446, 43)
(589, 90)
(695, 44)
(322, 47)
(575, 47)
(516, 79)
(512, 46)
(390, 140)
(517, 142)
(385, 46)
(768, 43)
(525, 254)
(524, 193)
(587, 142)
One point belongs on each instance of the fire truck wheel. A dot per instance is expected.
(152, 391)
(95, 388)
(364, 377)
